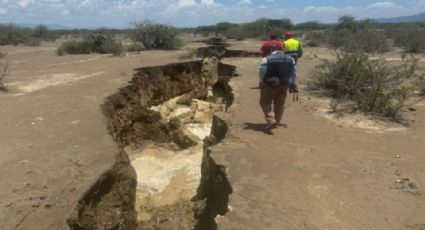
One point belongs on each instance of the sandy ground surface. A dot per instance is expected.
(318, 173)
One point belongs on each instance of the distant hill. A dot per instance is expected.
(412, 18)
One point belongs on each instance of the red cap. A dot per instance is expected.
(289, 34)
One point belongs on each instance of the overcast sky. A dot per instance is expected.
(119, 13)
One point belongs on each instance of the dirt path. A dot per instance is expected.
(318, 174)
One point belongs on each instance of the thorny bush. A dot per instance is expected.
(4, 71)
(358, 83)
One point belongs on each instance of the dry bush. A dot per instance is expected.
(420, 84)
(353, 35)
(92, 43)
(316, 38)
(408, 37)
(362, 40)
(74, 47)
(4, 71)
(357, 83)
(188, 53)
(11, 34)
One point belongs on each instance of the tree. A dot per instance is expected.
(155, 36)
(41, 32)
(347, 22)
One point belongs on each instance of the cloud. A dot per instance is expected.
(180, 4)
(207, 2)
(326, 9)
(65, 12)
(25, 3)
(245, 2)
(382, 5)
(3, 11)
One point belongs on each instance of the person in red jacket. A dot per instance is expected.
(265, 47)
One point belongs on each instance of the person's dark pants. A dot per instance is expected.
(273, 97)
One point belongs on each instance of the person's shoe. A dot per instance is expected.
(278, 124)
(268, 129)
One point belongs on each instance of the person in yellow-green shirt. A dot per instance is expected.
(294, 49)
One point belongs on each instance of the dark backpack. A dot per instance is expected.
(279, 69)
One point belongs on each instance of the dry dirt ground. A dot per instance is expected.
(318, 173)
(53, 140)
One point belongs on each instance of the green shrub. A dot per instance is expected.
(315, 38)
(261, 28)
(155, 36)
(264, 26)
(358, 36)
(92, 43)
(115, 48)
(14, 35)
(356, 82)
(311, 25)
(102, 43)
(135, 48)
(74, 47)
(365, 40)
(43, 33)
(237, 32)
(409, 37)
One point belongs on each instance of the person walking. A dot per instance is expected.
(265, 47)
(275, 74)
(294, 49)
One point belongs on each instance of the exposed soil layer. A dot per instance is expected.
(215, 42)
(130, 119)
(110, 203)
(214, 188)
(223, 52)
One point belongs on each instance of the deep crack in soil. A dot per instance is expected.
(222, 52)
(164, 121)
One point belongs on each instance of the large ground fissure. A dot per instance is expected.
(164, 121)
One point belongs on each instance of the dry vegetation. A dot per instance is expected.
(371, 86)
(4, 71)
(356, 82)
(93, 43)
